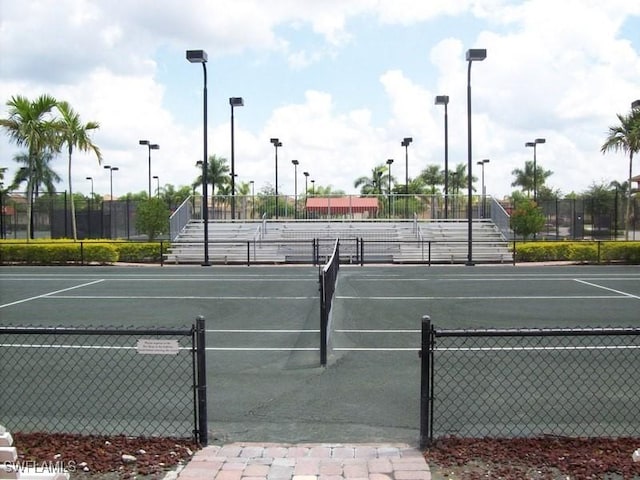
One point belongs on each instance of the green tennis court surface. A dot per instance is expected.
(264, 379)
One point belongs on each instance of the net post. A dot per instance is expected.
(201, 385)
(426, 433)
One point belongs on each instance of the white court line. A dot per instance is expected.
(537, 349)
(607, 288)
(263, 349)
(375, 349)
(45, 295)
(377, 331)
(71, 347)
(168, 297)
(494, 297)
(222, 330)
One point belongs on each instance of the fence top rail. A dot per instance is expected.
(9, 330)
(535, 332)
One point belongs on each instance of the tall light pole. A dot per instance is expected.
(535, 166)
(111, 222)
(405, 143)
(313, 188)
(473, 55)
(200, 56)
(276, 143)
(253, 198)
(484, 192)
(444, 100)
(91, 180)
(89, 209)
(389, 162)
(295, 187)
(306, 192)
(150, 146)
(234, 102)
(157, 179)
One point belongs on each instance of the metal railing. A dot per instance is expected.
(180, 217)
(104, 381)
(505, 383)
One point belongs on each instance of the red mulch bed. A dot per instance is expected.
(90, 455)
(539, 458)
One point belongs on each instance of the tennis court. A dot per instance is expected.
(264, 379)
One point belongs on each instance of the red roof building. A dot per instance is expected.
(330, 206)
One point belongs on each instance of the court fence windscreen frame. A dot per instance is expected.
(510, 383)
(104, 381)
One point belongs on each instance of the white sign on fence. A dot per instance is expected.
(149, 346)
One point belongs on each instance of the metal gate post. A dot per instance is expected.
(426, 420)
(201, 385)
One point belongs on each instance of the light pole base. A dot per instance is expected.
(470, 264)
(205, 264)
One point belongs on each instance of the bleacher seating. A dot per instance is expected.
(384, 241)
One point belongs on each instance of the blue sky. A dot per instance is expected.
(340, 82)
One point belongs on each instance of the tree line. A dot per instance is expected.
(46, 127)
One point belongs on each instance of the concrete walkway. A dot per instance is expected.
(258, 461)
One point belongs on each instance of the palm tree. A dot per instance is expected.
(373, 185)
(74, 134)
(625, 137)
(432, 176)
(31, 125)
(217, 175)
(527, 179)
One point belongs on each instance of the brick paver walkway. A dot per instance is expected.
(253, 461)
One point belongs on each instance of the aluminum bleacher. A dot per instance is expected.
(380, 241)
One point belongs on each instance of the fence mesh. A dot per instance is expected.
(570, 383)
(96, 381)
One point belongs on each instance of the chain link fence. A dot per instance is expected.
(102, 381)
(528, 383)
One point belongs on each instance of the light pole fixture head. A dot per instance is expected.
(89, 178)
(540, 140)
(197, 56)
(476, 54)
(389, 161)
(306, 174)
(144, 142)
(276, 142)
(107, 167)
(236, 102)
(295, 162)
(113, 169)
(154, 146)
(406, 141)
(635, 104)
(442, 99)
(530, 144)
(155, 177)
(199, 163)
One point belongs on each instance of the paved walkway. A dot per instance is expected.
(258, 461)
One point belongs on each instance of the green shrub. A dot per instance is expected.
(606, 252)
(57, 252)
(138, 252)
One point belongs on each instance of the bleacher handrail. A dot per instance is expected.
(180, 217)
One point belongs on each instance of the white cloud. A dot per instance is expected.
(558, 70)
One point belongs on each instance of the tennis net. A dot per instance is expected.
(328, 279)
